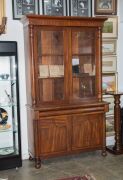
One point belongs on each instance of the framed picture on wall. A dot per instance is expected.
(3, 18)
(109, 46)
(110, 28)
(109, 64)
(53, 7)
(22, 7)
(109, 82)
(80, 7)
(2, 10)
(105, 7)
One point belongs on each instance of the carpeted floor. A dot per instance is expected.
(86, 177)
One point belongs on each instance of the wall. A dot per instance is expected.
(15, 33)
(120, 46)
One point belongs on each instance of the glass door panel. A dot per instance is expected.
(83, 64)
(8, 107)
(51, 65)
(82, 41)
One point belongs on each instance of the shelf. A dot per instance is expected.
(84, 75)
(83, 54)
(8, 80)
(51, 55)
(51, 77)
(5, 130)
(9, 129)
(7, 105)
(6, 151)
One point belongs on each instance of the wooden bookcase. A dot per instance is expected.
(66, 113)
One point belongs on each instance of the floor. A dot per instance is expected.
(102, 168)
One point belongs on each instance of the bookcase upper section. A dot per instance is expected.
(63, 62)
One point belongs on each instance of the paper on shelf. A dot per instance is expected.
(43, 71)
(56, 70)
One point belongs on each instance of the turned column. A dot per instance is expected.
(118, 147)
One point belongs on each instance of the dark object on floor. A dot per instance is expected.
(86, 177)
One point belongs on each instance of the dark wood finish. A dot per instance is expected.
(118, 147)
(66, 113)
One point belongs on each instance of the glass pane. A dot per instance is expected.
(83, 64)
(54, 7)
(82, 42)
(80, 7)
(50, 43)
(51, 65)
(8, 107)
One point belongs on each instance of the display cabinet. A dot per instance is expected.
(66, 113)
(10, 144)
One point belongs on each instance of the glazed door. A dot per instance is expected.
(51, 65)
(83, 61)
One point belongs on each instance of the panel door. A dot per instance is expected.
(54, 135)
(87, 131)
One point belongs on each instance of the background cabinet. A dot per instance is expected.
(64, 85)
(10, 145)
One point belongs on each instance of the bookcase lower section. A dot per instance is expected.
(61, 131)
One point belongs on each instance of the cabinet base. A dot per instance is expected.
(112, 150)
(10, 163)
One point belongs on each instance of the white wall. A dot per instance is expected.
(120, 48)
(14, 32)
(120, 45)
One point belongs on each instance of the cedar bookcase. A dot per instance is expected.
(66, 113)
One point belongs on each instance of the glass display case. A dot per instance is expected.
(10, 144)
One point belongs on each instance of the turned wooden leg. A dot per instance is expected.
(37, 163)
(104, 153)
(117, 123)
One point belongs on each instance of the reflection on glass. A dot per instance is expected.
(75, 65)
